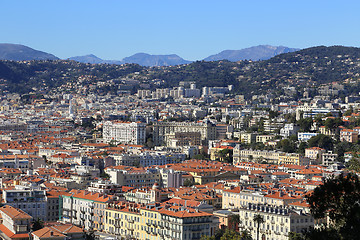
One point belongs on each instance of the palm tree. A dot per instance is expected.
(259, 220)
(234, 221)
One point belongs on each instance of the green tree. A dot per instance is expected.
(348, 112)
(338, 199)
(37, 224)
(321, 141)
(226, 155)
(189, 183)
(305, 124)
(105, 175)
(273, 114)
(302, 147)
(149, 143)
(90, 235)
(287, 146)
(333, 123)
(245, 235)
(295, 236)
(234, 221)
(258, 219)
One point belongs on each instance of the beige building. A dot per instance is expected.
(248, 155)
(278, 221)
(349, 135)
(162, 129)
(247, 137)
(264, 138)
(158, 221)
(314, 153)
(234, 198)
(293, 158)
(15, 223)
(133, 177)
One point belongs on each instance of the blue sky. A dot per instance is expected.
(114, 29)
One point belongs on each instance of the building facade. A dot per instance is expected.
(124, 132)
(162, 129)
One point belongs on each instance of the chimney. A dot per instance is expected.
(51, 233)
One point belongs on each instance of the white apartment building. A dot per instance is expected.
(83, 208)
(148, 158)
(278, 221)
(162, 129)
(305, 136)
(328, 158)
(124, 132)
(289, 129)
(134, 178)
(15, 222)
(171, 178)
(31, 200)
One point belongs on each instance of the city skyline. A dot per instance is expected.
(192, 30)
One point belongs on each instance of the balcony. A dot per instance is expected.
(130, 220)
(22, 228)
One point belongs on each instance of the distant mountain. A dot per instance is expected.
(145, 59)
(87, 59)
(261, 52)
(142, 59)
(17, 52)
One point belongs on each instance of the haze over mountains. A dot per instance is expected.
(18, 52)
(261, 52)
(142, 59)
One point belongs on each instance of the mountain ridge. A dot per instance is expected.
(18, 52)
(255, 53)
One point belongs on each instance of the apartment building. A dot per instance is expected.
(15, 223)
(133, 177)
(289, 129)
(305, 136)
(124, 132)
(146, 195)
(278, 221)
(237, 198)
(31, 200)
(247, 137)
(293, 158)
(264, 138)
(248, 155)
(158, 221)
(162, 129)
(310, 111)
(171, 178)
(84, 208)
(349, 135)
(328, 158)
(148, 158)
(314, 153)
